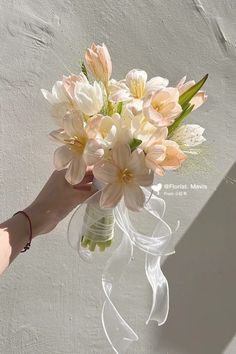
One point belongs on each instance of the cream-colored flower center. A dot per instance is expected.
(126, 176)
(76, 144)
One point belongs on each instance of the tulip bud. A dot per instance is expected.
(99, 62)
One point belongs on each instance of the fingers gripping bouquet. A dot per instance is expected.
(128, 131)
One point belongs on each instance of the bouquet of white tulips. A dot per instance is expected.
(128, 131)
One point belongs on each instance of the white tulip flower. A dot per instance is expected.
(189, 135)
(89, 97)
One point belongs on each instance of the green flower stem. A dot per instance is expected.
(110, 106)
(97, 234)
(91, 245)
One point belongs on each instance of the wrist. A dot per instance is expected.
(20, 223)
(43, 219)
(37, 217)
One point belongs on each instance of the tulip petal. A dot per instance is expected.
(160, 96)
(111, 195)
(184, 86)
(155, 84)
(156, 153)
(118, 91)
(145, 179)
(150, 163)
(49, 96)
(76, 171)
(84, 102)
(181, 82)
(167, 108)
(107, 63)
(62, 156)
(98, 91)
(106, 171)
(58, 136)
(121, 154)
(198, 99)
(133, 196)
(142, 175)
(159, 135)
(174, 156)
(73, 124)
(136, 81)
(152, 115)
(89, 97)
(59, 92)
(92, 152)
(136, 162)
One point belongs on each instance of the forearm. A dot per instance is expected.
(53, 203)
(15, 233)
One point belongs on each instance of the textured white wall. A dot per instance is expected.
(49, 299)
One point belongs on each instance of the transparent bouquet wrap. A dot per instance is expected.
(99, 233)
(96, 232)
(93, 229)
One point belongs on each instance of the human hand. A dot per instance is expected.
(56, 200)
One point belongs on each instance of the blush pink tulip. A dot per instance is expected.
(99, 62)
(174, 157)
(162, 154)
(161, 108)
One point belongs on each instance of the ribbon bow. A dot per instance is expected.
(155, 246)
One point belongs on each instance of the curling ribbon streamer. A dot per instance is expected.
(119, 334)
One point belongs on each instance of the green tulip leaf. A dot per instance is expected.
(84, 70)
(186, 97)
(180, 119)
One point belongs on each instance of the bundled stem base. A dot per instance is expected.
(98, 228)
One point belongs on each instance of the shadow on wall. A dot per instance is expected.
(202, 278)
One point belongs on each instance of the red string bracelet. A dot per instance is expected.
(27, 246)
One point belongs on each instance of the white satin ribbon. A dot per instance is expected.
(156, 245)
